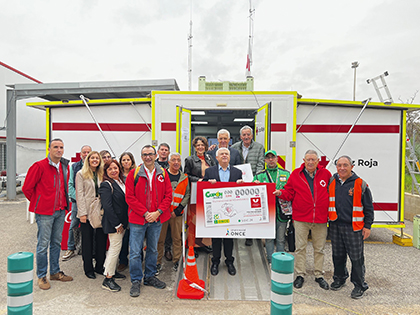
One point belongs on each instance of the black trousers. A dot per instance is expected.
(123, 258)
(345, 242)
(227, 249)
(88, 234)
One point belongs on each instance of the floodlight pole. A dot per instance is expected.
(354, 66)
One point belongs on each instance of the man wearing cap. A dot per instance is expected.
(273, 174)
(307, 189)
(351, 217)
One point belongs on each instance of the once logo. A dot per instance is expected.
(256, 202)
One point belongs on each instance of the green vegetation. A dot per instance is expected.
(408, 187)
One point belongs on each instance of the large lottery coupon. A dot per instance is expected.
(235, 205)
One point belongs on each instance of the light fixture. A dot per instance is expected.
(243, 119)
(199, 122)
(198, 112)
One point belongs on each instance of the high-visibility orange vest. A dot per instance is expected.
(178, 194)
(358, 215)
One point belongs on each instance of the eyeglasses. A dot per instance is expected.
(147, 154)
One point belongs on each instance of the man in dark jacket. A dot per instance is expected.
(223, 137)
(46, 189)
(223, 172)
(84, 151)
(307, 189)
(351, 217)
(148, 195)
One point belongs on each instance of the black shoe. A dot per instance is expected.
(175, 267)
(298, 283)
(206, 249)
(109, 284)
(91, 275)
(100, 272)
(322, 283)
(214, 269)
(357, 293)
(231, 269)
(337, 284)
(155, 282)
(135, 289)
(248, 242)
(168, 255)
(119, 276)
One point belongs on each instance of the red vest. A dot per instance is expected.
(358, 216)
(178, 194)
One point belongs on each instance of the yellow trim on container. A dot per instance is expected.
(225, 92)
(396, 225)
(91, 102)
(371, 104)
(294, 132)
(178, 128)
(153, 108)
(48, 129)
(403, 148)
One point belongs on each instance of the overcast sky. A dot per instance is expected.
(305, 46)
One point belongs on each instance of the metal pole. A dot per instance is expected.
(11, 145)
(348, 133)
(354, 85)
(97, 124)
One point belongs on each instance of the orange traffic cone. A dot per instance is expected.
(191, 287)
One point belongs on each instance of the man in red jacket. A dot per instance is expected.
(46, 187)
(148, 195)
(307, 188)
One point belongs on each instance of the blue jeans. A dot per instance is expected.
(75, 221)
(137, 233)
(280, 240)
(50, 230)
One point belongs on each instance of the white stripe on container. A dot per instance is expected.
(20, 277)
(282, 277)
(281, 299)
(16, 301)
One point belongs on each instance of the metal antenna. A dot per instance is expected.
(190, 37)
(250, 40)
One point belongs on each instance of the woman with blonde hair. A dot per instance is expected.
(88, 180)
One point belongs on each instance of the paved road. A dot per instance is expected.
(392, 274)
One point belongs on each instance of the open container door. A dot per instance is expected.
(263, 125)
(183, 132)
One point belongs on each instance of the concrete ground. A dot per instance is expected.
(391, 272)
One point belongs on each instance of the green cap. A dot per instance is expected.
(272, 152)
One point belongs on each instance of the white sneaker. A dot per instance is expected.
(69, 254)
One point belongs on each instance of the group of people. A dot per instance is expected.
(145, 204)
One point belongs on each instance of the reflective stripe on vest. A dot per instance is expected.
(357, 215)
(178, 194)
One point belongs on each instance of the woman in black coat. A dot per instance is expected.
(114, 221)
(195, 166)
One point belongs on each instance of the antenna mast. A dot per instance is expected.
(190, 51)
(250, 39)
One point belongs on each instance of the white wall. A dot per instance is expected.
(30, 123)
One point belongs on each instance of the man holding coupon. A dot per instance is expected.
(222, 172)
